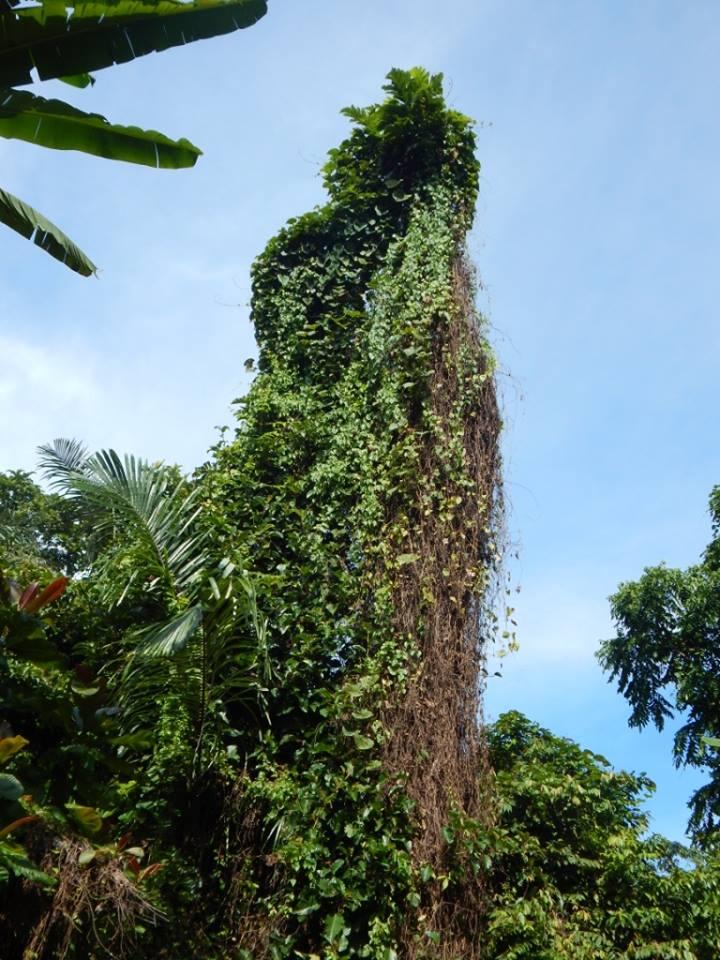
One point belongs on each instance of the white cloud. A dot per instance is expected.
(560, 623)
(42, 388)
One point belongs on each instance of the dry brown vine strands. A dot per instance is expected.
(100, 898)
(434, 735)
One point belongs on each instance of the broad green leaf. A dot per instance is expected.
(32, 225)
(362, 742)
(13, 859)
(35, 648)
(54, 124)
(80, 80)
(334, 927)
(9, 746)
(363, 714)
(86, 856)
(140, 740)
(10, 787)
(74, 38)
(85, 692)
(406, 558)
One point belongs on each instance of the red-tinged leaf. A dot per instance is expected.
(132, 862)
(16, 824)
(123, 842)
(150, 871)
(52, 592)
(27, 595)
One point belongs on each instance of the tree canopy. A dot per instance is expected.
(666, 660)
(574, 872)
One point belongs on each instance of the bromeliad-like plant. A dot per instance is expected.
(59, 39)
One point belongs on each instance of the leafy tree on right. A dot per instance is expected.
(666, 660)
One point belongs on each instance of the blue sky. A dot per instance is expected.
(596, 240)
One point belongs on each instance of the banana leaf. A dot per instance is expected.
(52, 123)
(34, 226)
(80, 80)
(61, 38)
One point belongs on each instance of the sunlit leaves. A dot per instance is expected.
(66, 39)
(52, 123)
(574, 874)
(9, 746)
(29, 223)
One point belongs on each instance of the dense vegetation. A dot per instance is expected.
(574, 874)
(240, 710)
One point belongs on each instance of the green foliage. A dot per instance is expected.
(574, 875)
(129, 726)
(203, 619)
(666, 660)
(31, 224)
(54, 124)
(242, 722)
(40, 533)
(351, 459)
(65, 40)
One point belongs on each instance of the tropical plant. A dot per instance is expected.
(133, 703)
(200, 637)
(666, 660)
(59, 870)
(64, 40)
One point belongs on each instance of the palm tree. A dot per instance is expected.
(205, 640)
(64, 40)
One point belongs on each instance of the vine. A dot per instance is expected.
(362, 488)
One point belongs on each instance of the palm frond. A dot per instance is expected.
(61, 460)
(168, 639)
(130, 497)
(212, 653)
